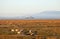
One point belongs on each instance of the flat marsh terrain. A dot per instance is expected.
(30, 29)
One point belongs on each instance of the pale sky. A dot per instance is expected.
(27, 7)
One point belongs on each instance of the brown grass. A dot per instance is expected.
(24, 21)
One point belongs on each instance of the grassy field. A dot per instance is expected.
(37, 27)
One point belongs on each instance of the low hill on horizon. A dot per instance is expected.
(48, 15)
(41, 15)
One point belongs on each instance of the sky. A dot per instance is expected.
(12, 8)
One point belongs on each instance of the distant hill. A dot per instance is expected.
(48, 15)
(41, 15)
